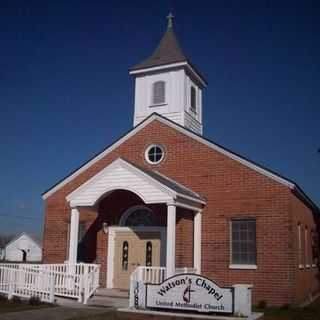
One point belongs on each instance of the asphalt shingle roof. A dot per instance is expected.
(171, 184)
(167, 52)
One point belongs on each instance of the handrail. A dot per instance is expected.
(69, 280)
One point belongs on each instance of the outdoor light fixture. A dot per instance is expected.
(105, 227)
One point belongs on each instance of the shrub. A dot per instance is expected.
(262, 304)
(34, 301)
(3, 298)
(16, 300)
(285, 306)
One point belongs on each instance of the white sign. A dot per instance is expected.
(189, 292)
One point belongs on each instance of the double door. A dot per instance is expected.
(133, 249)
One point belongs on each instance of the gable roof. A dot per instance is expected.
(155, 116)
(150, 185)
(176, 187)
(31, 237)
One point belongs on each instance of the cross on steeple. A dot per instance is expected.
(170, 20)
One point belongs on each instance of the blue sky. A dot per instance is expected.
(65, 92)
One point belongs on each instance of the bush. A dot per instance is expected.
(3, 298)
(34, 301)
(262, 304)
(285, 306)
(16, 300)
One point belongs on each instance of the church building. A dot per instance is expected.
(164, 196)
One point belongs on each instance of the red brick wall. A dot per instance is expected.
(232, 190)
(306, 277)
(184, 238)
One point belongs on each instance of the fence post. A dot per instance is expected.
(86, 287)
(11, 283)
(51, 287)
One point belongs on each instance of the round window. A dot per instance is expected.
(154, 154)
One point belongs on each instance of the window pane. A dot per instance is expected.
(243, 233)
(149, 254)
(193, 98)
(125, 255)
(159, 92)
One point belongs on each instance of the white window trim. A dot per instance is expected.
(194, 110)
(146, 153)
(235, 265)
(299, 247)
(306, 251)
(243, 266)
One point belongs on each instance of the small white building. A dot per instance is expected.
(24, 248)
(2, 253)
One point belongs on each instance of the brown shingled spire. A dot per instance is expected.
(167, 52)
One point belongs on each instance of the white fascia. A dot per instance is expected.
(170, 66)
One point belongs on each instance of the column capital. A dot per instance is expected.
(171, 203)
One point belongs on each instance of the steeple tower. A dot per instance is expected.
(168, 84)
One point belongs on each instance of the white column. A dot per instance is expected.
(197, 241)
(171, 240)
(73, 241)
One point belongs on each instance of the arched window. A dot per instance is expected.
(159, 92)
(193, 99)
(149, 254)
(138, 216)
(125, 255)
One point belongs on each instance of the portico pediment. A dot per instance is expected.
(150, 186)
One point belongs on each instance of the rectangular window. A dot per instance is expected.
(243, 242)
(159, 92)
(306, 248)
(193, 99)
(299, 247)
(314, 248)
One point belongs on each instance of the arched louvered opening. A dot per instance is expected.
(159, 92)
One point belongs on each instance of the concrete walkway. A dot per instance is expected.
(101, 302)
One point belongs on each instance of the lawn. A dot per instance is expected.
(311, 312)
(7, 306)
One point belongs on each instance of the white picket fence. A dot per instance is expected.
(77, 281)
(26, 284)
(155, 274)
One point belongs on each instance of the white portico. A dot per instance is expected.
(152, 188)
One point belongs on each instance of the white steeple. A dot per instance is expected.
(166, 83)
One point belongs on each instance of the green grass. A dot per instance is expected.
(310, 312)
(7, 306)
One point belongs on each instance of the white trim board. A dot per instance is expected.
(91, 191)
(182, 130)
